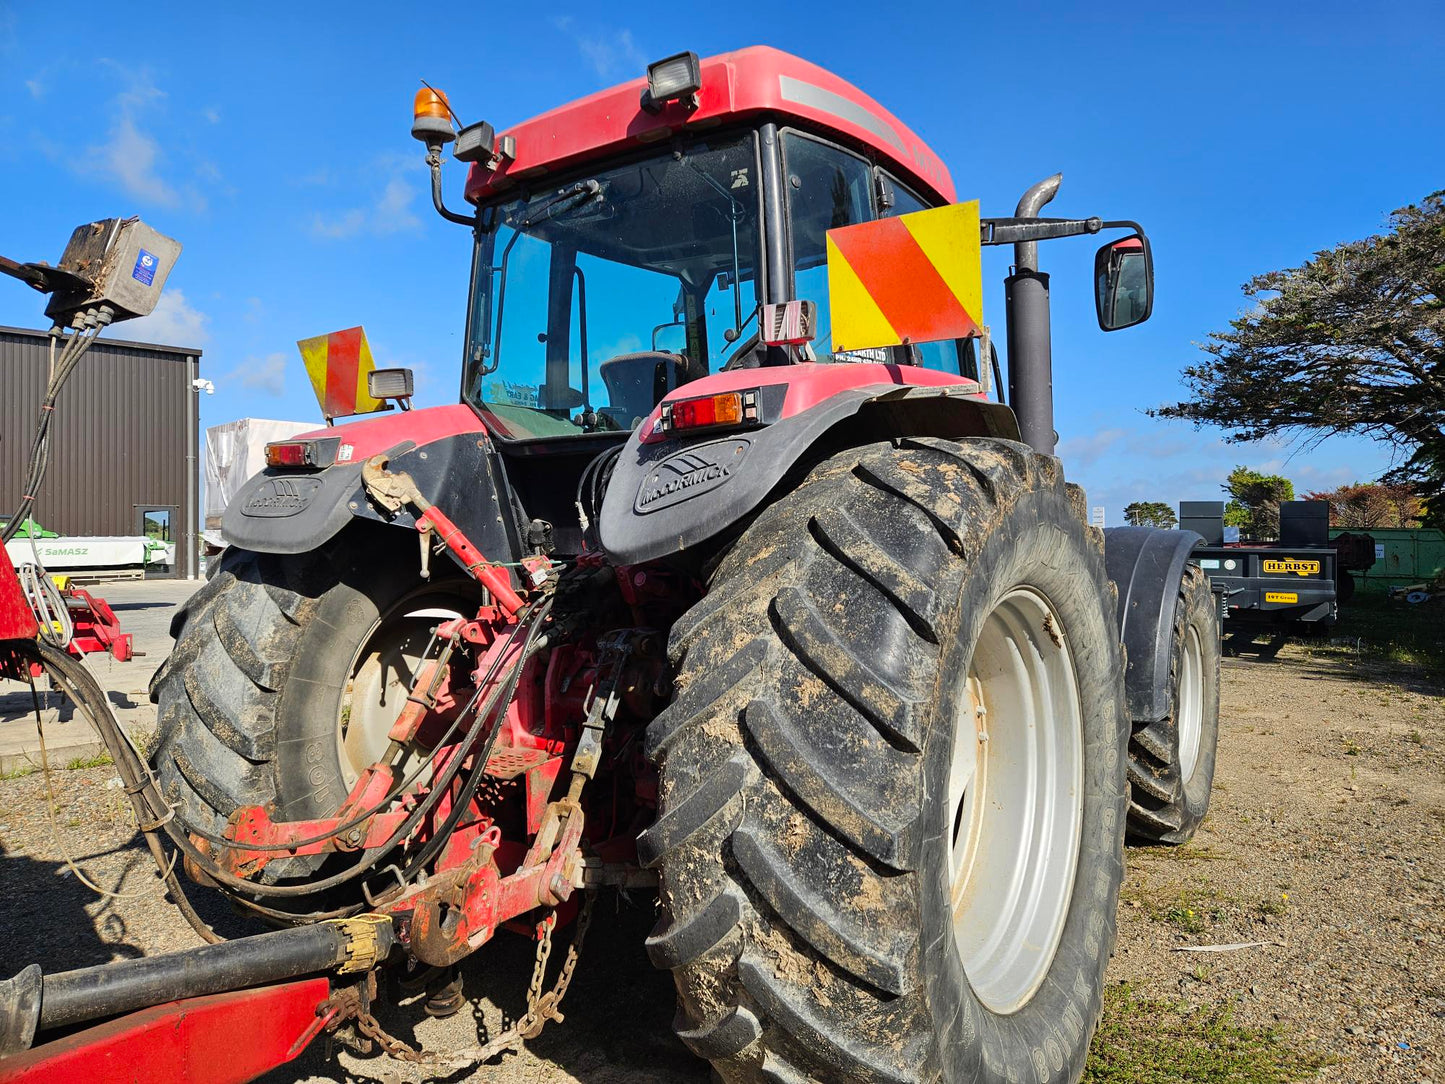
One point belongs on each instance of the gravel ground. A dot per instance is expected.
(1326, 842)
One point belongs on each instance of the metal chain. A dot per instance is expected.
(541, 1007)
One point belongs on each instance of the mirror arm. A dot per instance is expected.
(1014, 231)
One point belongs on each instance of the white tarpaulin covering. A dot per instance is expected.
(57, 554)
(234, 452)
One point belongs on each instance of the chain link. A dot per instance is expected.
(541, 1007)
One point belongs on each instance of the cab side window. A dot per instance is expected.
(827, 188)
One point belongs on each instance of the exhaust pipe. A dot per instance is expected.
(1030, 347)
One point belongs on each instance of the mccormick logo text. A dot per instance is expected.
(690, 471)
(1291, 564)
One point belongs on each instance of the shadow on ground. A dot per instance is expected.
(44, 894)
(618, 1011)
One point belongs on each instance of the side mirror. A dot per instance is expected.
(1124, 283)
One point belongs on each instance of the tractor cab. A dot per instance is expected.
(626, 242)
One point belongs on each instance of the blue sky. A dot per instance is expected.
(273, 141)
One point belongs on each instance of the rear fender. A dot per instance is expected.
(1147, 565)
(448, 453)
(668, 495)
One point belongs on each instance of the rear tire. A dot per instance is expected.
(808, 836)
(1171, 760)
(274, 658)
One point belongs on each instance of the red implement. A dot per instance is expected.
(221, 1039)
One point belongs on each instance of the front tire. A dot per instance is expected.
(845, 898)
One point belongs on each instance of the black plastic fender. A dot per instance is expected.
(668, 496)
(1147, 565)
(288, 511)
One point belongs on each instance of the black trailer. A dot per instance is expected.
(1294, 581)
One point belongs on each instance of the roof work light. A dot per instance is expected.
(674, 78)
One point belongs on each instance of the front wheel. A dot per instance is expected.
(892, 803)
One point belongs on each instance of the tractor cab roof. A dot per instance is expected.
(735, 86)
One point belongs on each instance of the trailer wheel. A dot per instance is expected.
(892, 795)
(286, 673)
(1171, 760)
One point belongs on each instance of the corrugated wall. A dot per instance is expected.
(118, 443)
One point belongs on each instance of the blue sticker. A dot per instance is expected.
(145, 268)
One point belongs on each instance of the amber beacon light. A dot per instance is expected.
(431, 117)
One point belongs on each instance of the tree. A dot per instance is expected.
(1149, 514)
(1352, 341)
(1254, 501)
(1363, 505)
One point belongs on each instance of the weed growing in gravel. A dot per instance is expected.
(1186, 919)
(1273, 907)
(1142, 1041)
(96, 760)
(19, 772)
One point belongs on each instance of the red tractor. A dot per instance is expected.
(695, 589)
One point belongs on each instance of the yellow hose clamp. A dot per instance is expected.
(363, 942)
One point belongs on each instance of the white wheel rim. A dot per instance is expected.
(1015, 801)
(382, 674)
(1191, 703)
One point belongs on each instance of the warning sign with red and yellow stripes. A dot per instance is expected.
(916, 278)
(338, 365)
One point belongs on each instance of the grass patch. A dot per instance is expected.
(18, 773)
(1142, 1041)
(95, 760)
(1188, 853)
(1189, 910)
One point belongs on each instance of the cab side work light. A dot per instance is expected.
(730, 408)
(676, 78)
(302, 454)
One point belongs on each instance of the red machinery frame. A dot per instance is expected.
(221, 1039)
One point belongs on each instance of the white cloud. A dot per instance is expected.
(36, 88)
(172, 323)
(390, 212)
(266, 374)
(131, 156)
(1085, 450)
(211, 114)
(610, 52)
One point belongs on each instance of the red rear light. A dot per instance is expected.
(733, 408)
(302, 454)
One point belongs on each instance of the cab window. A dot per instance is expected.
(827, 188)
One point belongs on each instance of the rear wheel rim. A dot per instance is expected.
(1015, 801)
(1191, 703)
(379, 680)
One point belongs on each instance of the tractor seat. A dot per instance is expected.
(637, 382)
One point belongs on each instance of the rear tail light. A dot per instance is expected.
(728, 408)
(302, 454)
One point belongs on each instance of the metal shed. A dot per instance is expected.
(123, 444)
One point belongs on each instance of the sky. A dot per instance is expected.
(273, 141)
